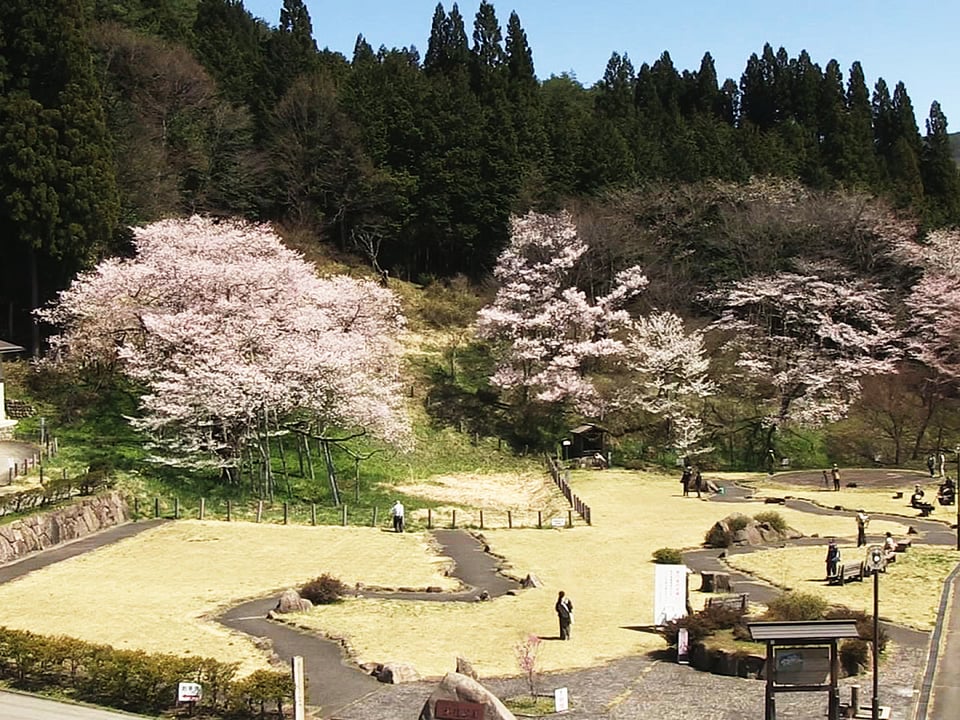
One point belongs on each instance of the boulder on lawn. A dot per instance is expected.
(290, 602)
(460, 688)
(531, 581)
(396, 673)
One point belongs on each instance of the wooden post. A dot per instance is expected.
(203, 507)
(539, 518)
(510, 519)
(313, 514)
(156, 507)
(343, 515)
(569, 518)
(374, 522)
(136, 508)
(286, 513)
(176, 508)
(259, 510)
(229, 510)
(453, 522)
(429, 518)
(481, 519)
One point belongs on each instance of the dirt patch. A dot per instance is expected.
(498, 491)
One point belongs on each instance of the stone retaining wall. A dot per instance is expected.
(77, 520)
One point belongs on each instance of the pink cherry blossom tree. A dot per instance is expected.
(801, 342)
(226, 330)
(546, 331)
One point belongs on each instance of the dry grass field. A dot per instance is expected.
(160, 591)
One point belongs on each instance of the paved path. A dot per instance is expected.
(14, 706)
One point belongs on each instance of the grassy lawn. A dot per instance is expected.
(159, 591)
(909, 590)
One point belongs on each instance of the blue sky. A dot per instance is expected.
(897, 40)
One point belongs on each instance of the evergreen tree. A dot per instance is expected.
(290, 52)
(523, 92)
(861, 158)
(941, 184)
(58, 205)
(831, 121)
(229, 43)
(487, 57)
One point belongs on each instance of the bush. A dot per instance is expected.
(324, 590)
(854, 655)
(668, 556)
(773, 519)
(796, 606)
(702, 624)
(864, 624)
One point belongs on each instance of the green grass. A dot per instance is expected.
(538, 706)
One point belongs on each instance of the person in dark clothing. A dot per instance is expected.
(833, 559)
(697, 481)
(685, 480)
(836, 478)
(931, 464)
(564, 608)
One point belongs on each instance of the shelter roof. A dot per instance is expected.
(803, 630)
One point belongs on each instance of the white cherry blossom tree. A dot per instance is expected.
(226, 329)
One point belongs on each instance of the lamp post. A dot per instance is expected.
(875, 563)
(566, 450)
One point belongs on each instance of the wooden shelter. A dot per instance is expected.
(587, 440)
(802, 657)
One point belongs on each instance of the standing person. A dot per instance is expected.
(931, 464)
(564, 608)
(826, 481)
(836, 478)
(685, 480)
(862, 520)
(833, 559)
(942, 459)
(397, 512)
(697, 481)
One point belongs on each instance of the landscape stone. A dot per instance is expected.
(457, 687)
(396, 673)
(464, 667)
(290, 602)
(531, 581)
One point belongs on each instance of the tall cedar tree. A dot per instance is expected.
(941, 184)
(58, 205)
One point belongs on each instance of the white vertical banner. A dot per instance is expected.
(561, 701)
(670, 593)
(299, 708)
(683, 646)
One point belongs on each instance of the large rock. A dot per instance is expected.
(396, 673)
(291, 602)
(457, 687)
(465, 667)
(751, 532)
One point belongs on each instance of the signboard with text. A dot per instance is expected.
(801, 666)
(189, 692)
(670, 593)
(455, 710)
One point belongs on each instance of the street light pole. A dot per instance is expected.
(956, 493)
(875, 710)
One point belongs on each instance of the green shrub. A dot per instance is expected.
(854, 655)
(773, 519)
(668, 556)
(702, 624)
(738, 522)
(796, 606)
(324, 590)
(864, 624)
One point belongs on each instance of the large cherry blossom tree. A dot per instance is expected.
(227, 331)
(803, 341)
(546, 330)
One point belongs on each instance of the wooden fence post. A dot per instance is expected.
(510, 519)
(136, 508)
(343, 515)
(176, 508)
(539, 518)
(229, 510)
(481, 519)
(203, 507)
(286, 513)
(569, 518)
(156, 507)
(374, 521)
(313, 514)
(259, 510)
(429, 518)
(453, 522)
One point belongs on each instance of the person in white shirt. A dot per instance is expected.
(397, 512)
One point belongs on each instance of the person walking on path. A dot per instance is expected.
(397, 512)
(685, 480)
(564, 608)
(931, 464)
(862, 520)
(697, 481)
(836, 478)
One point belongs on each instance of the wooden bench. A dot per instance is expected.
(847, 572)
(739, 602)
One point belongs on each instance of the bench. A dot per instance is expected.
(740, 602)
(847, 572)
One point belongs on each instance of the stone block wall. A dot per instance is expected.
(77, 520)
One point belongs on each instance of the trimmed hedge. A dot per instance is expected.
(136, 681)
